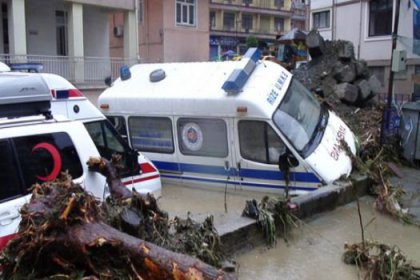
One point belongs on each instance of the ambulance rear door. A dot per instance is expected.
(205, 153)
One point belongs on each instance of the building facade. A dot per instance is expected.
(68, 37)
(233, 21)
(369, 25)
(169, 31)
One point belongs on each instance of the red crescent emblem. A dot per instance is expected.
(56, 160)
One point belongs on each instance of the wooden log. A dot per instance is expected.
(149, 260)
(62, 232)
(107, 168)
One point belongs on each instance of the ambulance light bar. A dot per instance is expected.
(66, 93)
(241, 74)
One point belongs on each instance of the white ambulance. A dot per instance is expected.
(35, 147)
(229, 123)
(68, 101)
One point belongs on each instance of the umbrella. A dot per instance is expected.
(293, 35)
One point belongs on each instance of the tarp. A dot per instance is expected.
(293, 35)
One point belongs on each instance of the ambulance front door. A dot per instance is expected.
(205, 154)
(258, 152)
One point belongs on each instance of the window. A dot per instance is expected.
(279, 3)
(151, 134)
(298, 115)
(5, 25)
(141, 11)
(247, 2)
(228, 21)
(212, 20)
(43, 157)
(119, 125)
(279, 24)
(259, 142)
(202, 137)
(247, 22)
(10, 184)
(61, 32)
(380, 17)
(185, 12)
(321, 19)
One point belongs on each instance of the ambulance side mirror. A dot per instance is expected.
(287, 160)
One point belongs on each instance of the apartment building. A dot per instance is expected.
(369, 25)
(169, 31)
(233, 21)
(68, 37)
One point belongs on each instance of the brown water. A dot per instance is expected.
(313, 251)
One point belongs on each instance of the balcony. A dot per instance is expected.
(266, 7)
(262, 32)
(90, 71)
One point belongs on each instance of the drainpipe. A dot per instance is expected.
(360, 29)
(387, 113)
(394, 46)
(137, 30)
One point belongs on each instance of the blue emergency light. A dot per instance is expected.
(240, 75)
(125, 73)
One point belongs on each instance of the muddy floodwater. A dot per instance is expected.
(313, 251)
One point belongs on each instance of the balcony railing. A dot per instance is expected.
(85, 70)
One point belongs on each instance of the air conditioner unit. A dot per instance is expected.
(118, 31)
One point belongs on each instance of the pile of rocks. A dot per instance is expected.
(335, 72)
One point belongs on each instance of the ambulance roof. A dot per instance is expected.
(195, 89)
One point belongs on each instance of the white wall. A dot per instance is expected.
(95, 29)
(348, 23)
(319, 6)
(41, 28)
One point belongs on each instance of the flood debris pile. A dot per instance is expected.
(65, 233)
(344, 84)
(380, 261)
(275, 216)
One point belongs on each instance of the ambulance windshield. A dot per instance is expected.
(298, 115)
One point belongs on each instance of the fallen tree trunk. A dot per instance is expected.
(147, 260)
(62, 233)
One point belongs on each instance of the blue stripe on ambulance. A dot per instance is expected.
(247, 173)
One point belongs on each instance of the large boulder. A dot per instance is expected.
(347, 92)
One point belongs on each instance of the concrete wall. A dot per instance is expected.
(350, 21)
(41, 26)
(96, 32)
(183, 43)
(151, 32)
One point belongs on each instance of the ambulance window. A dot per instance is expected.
(119, 124)
(202, 137)
(151, 134)
(259, 142)
(108, 143)
(9, 173)
(43, 157)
